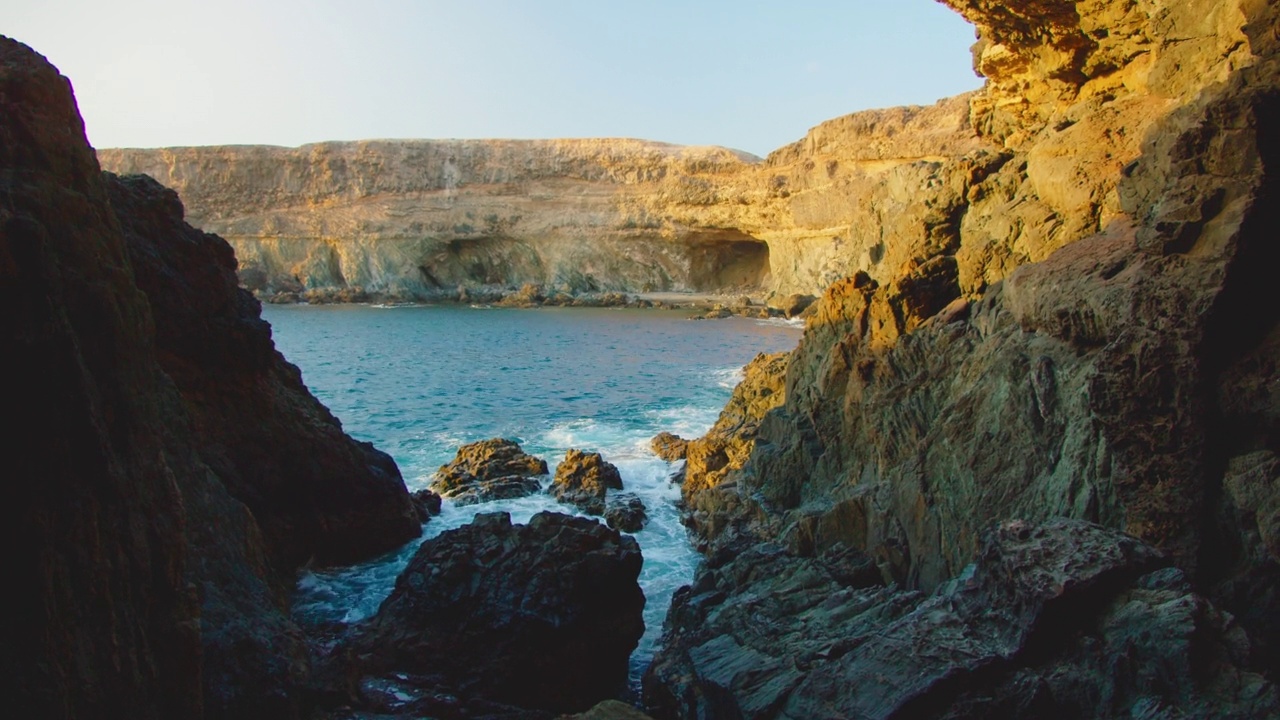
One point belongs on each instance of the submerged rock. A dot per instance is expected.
(496, 469)
(582, 479)
(541, 616)
(1064, 619)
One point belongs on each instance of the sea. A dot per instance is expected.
(419, 381)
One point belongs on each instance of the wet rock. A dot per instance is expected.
(540, 616)
(426, 503)
(496, 469)
(625, 512)
(668, 446)
(582, 479)
(1065, 617)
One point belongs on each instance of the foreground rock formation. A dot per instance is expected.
(148, 551)
(315, 492)
(540, 616)
(1062, 620)
(1095, 340)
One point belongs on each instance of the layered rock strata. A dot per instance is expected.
(1094, 341)
(147, 581)
(419, 219)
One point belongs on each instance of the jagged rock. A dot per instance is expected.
(713, 461)
(582, 479)
(315, 492)
(626, 512)
(1066, 618)
(668, 446)
(149, 590)
(426, 503)
(540, 616)
(496, 469)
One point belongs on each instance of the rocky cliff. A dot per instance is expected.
(1095, 339)
(162, 456)
(418, 219)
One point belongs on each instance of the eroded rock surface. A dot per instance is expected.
(582, 479)
(315, 492)
(418, 219)
(496, 469)
(149, 582)
(1064, 619)
(540, 616)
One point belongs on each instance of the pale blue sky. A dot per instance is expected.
(749, 75)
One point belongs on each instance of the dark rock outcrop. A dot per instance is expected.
(496, 469)
(625, 512)
(425, 503)
(1065, 619)
(540, 616)
(101, 621)
(582, 479)
(146, 587)
(314, 491)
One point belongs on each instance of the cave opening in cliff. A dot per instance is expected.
(727, 260)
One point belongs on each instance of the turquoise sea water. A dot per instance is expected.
(420, 381)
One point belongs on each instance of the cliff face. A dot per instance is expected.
(1096, 341)
(418, 219)
(162, 456)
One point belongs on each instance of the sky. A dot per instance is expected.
(744, 74)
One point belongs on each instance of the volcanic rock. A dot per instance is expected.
(714, 461)
(582, 479)
(425, 503)
(315, 492)
(149, 589)
(496, 469)
(540, 616)
(1065, 619)
(625, 512)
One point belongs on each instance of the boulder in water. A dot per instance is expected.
(541, 616)
(583, 479)
(426, 503)
(626, 512)
(496, 469)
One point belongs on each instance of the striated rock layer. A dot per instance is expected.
(420, 218)
(1096, 340)
(148, 546)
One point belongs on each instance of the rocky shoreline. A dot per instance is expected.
(1024, 463)
(708, 306)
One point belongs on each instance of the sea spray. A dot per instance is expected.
(418, 382)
